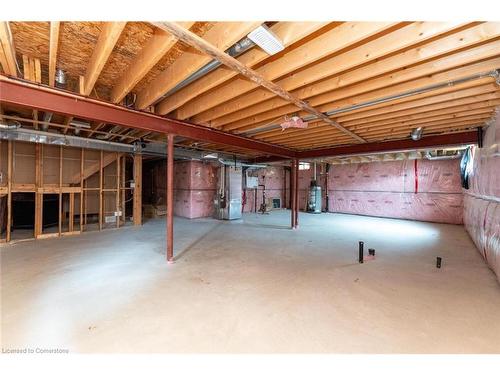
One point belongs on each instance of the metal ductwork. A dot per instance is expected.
(12, 131)
(47, 117)
(10, 125)
(241, 164)
(416, 133)
(60, 78)
(430, 156)
(36, 136)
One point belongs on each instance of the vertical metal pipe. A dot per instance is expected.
(293, 176)
(170, 199)
(296, 193)
(361, 250)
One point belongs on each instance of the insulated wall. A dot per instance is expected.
(195, 186)
(421, 189)
(276, 182)
(482, 199)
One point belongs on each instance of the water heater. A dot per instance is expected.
(314, 200)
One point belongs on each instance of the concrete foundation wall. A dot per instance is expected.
(482, 199)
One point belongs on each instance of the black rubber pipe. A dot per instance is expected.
(361, 244)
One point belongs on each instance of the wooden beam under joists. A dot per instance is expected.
(53, 46)
(67, 121)
(108, 37)
(205, 47)
(288, 32)
(7, 50)
(95, 127)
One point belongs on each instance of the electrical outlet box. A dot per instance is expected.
(252, 182)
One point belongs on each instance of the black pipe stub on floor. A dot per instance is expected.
(371, 252)
(361, 250)
(438, 262)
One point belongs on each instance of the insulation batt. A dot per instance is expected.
(195, 186)
(482, 199)
(294, 122)
(426, 190)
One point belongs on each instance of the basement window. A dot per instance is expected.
(304, 166)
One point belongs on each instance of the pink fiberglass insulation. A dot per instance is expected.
(195, 185)
(274, 180)
(426, 190)
(482, 199)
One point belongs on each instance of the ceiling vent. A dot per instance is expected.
(266, 40)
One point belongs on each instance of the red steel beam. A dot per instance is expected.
(19, 92)
(441, 140)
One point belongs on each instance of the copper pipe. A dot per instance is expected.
(170, 199)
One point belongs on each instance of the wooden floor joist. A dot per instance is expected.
(205, 47)
(328, 66)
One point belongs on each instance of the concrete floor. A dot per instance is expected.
(253, 286)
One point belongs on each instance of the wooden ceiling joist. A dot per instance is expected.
(454, 112)
(288, 32)
(340, 37)
(456, 106)
(8, 51)
(467, 103)
(316, 134)
(222, 34)
(377, 80)
(157, 46)
(205, 47)
(54, 44)
(454, 91)
(393, 42)
(108, 37)
(448, 107)
(433, 49)
(348, 84)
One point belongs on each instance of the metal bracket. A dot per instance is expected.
(496, 75)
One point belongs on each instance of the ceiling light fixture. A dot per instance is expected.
(266, 39)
